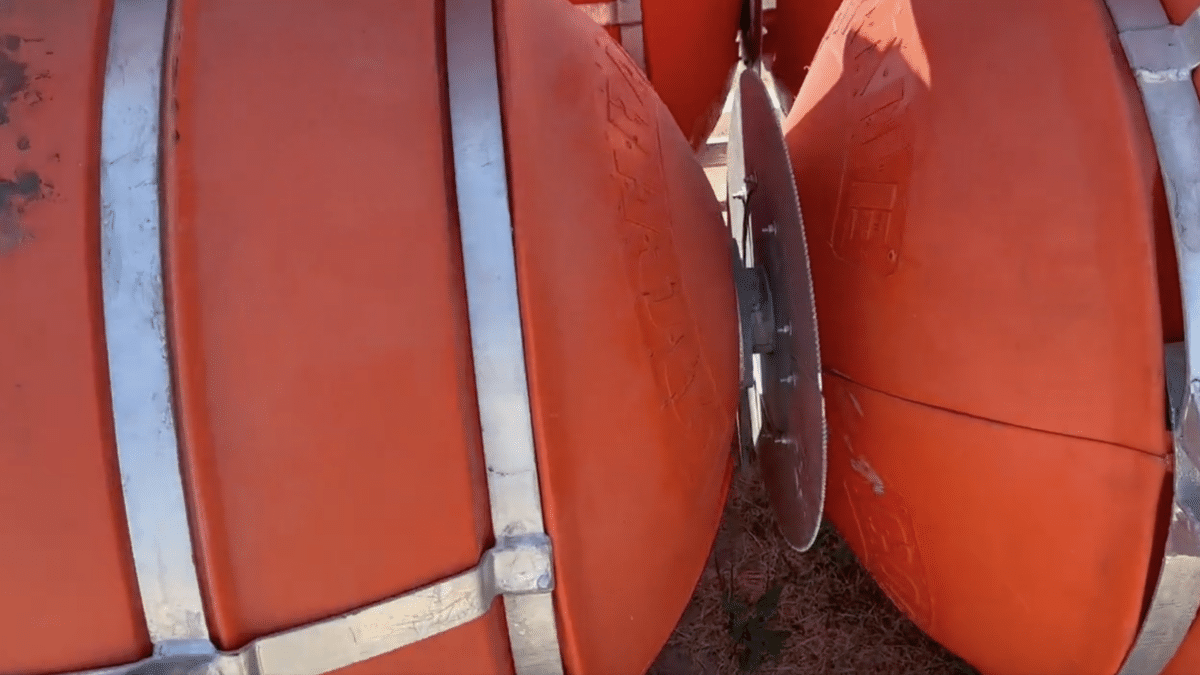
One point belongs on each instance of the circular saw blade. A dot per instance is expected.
(764, 212)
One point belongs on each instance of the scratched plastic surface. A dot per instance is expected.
(986, 267)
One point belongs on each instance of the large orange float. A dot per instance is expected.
(307, 374)
(996, 279)
(288, 311)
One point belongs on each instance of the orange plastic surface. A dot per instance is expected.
(319, 337)
(68, 598)
(319, 319)
(1022, 551)
(691, 49)
(986, 243)
(983, 207)
(793, 35)
(631, 334)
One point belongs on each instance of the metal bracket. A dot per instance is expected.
(757, 332)
(756, 311)
(1162, 57)
(522, 565)
(1167, 52)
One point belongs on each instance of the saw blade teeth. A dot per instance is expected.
(789, 380)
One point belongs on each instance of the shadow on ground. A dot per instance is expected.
(829, 618)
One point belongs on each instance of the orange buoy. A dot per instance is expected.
(793, 32)
(995, 282)
(349, 404)
(688, 48)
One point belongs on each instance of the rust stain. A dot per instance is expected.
(14, 78)
(25, 187)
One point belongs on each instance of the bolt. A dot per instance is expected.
(785, 329)
(789, 380)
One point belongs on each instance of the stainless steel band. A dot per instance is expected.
(627, 16)
(489, 261)
(134, 321)
(520, 565)
(1163, 57)
(325, 646)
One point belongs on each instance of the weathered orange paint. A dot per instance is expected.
(68, 597)
(319, 338)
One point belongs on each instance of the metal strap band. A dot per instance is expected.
(1162, 57)
(627, 16)
(521, 567)
(138, 363)
(489, 261)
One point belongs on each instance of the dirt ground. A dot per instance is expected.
(831, 617)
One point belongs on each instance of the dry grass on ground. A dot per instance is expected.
(831, 616)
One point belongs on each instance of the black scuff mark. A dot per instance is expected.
(15, 194)
(14, 77)
(23, 143)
